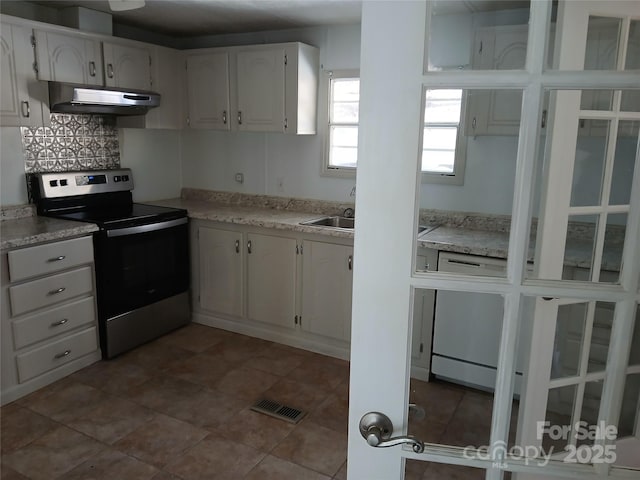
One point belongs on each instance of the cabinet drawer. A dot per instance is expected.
(52, 257)
(49, 290)
(55, 321)
(55, 354)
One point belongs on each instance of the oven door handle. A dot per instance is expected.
(152, 227)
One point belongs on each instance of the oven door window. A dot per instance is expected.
(140, 269)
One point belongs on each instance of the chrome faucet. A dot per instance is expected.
(348, 213)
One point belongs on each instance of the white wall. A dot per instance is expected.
(13, 185)
(154, 158)
(488, 181)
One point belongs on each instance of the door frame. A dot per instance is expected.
(385, 280)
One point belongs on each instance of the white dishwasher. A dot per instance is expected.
(468, 326)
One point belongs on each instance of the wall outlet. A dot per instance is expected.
(239, 177)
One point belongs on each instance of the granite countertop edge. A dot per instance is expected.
(26, 231)
(23, 232)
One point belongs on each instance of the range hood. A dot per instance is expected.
(73, 98)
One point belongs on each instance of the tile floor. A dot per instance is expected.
(178, 409)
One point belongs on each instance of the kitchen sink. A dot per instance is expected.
(333, 222)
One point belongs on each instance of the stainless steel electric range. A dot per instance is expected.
(141, 253)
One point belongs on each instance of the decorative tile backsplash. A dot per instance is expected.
(72, 142)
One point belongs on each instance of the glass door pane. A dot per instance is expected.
(478, 35)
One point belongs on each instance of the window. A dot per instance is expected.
(344, 102)
(443, 142)
(444, 145)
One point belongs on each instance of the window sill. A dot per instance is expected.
(442, 179)
(338, 172)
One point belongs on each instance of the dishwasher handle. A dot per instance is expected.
(472, 265)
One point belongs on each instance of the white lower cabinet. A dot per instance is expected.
(48, 324)
(221, 275)
(327, 276)
(423, 311)
(246, 275)
(271, 279)
(289, 287)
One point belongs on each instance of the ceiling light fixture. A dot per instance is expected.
(122, 5)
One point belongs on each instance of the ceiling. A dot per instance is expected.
(190, 18)
(211, 17)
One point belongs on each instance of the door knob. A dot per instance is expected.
(376, 429)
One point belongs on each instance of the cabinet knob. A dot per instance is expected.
(60, 322)
(249, 246)
(26, 109)
(239, 117)
(57, 290)
(224, 117)
(350, 262)
(66, 353)
(237, 246)
(57, 259)
(110, 70)
(92, 68)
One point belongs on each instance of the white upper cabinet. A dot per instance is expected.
(208, 90)
(14, 93)
(496, 112)
(126, 66)
(68, 58)
(81, 58)
(257, 88)
(19, 103)
(261, 90)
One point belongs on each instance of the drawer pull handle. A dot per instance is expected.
(57, 259)
(66, 353)
(57, 290)
(60, 322)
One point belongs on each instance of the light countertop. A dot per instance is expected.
(34, 229)
(20, 232)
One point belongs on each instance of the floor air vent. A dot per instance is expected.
(276, 410)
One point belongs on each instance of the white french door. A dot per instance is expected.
(393, 81)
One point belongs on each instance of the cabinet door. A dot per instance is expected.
(67, 58)
(261, 90)
(208, 90)
(496, 112)
(19, 103)
(14, 99)
(221, 277)
(166, 80)
(126, 66)
(271, 279)
(423, 309)
(326, 289)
